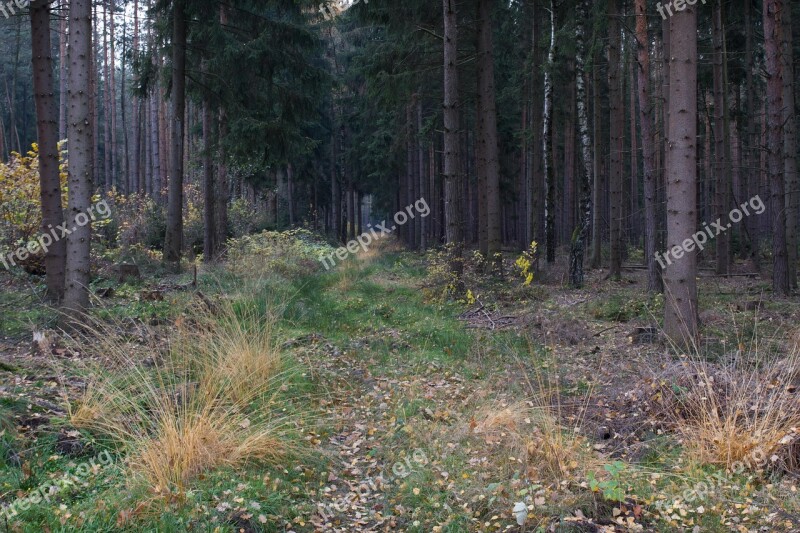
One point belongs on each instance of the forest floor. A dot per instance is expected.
(515, 408)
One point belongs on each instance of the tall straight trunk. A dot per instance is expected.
(209, 241)
(148, 148)
(133, 179)
(154, 148)
(350, 223)
(568, 197)
(774, 10)
(480, 170)
(680, 273)
(336, 202)
(79, 132)
(126, 160)
(106, 106)
(648, 148)
(790, 147)
(290, 193)
(62, 73)
(582, 231)
(222, 193)
(752, 154)
(547, 135)
(95, 105)
(113, 110)
(635, 216)
(423, 192)
(486, 94)
(173, 245)
(617, 123)
(595, 260)
(46, 128)
(411, 168)
(452, 169)
(535, 174)
(708, 206)
(721, 163)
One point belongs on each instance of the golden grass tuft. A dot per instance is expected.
(744, 409)
(209, 398)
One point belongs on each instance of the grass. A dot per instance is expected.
(232, 412)
(211, 400)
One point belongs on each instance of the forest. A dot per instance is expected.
(427, 266)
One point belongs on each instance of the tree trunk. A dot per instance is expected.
(173, 245)
(680, 272)
(721, 163)
(635, 214)
(488, 108)
(790, 147)
(452, 169)
(617, 123)
(62, 76)
(106, 106)
(222, 192)
(752, 155)
(597, 186)
(547, 134)
(79, 132)
(774, 10)
(654, 284)
(582, 231)
(133, 179)
(113, 110)
(46, 123)
(209, 190)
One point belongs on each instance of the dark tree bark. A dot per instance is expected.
(680, 273)
(452, 168)
(79, 131)
(721, 163)
(173, 245)
(773, 21)
(617, 122)
(547, 135)
(648, 154)
(47, 121)
(488, 117)
(790, 147)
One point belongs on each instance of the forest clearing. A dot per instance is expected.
(523, 266)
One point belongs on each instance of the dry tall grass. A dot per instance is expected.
(744, 408)
(211, 398)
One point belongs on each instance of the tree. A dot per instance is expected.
(680, 274)
(617, 121)
(790, 147)
(773, 13)
(721, 140)
(452, 165)
(81, 170)
(547, 139)
(648, 149)
(173, 245)
(47, 121)
(582, 231)
(488, 118)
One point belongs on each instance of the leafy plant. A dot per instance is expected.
(610, 488)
